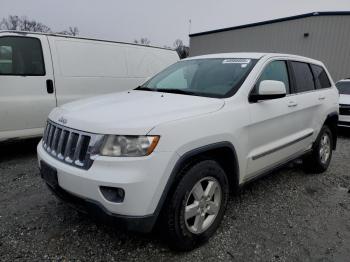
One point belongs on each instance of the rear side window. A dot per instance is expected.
(276, 70)
(21, 56)
(321, 78)
(304, 80)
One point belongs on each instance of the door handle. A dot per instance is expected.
(49, 86)
(292, 104)
(321, 98)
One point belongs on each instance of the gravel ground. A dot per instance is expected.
(286, 216)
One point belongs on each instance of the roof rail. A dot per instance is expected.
(79, 37)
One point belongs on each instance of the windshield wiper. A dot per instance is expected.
(143, 88)
(176, 91)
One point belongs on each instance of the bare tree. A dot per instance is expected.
(32, 25)
(181, 49)
(14, 22)
(11, 23)
(71, 31)
(143, 41)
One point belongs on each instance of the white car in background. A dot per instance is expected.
(344, 102)
(41, 71)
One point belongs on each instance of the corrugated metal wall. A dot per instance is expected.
(328, 41)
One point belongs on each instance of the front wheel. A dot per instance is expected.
(321, 155)
(197, 205)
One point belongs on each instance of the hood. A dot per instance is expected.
(344, 99)
(131, 113)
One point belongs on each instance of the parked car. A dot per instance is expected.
(176, 146)
(41, 71)
(344, 102)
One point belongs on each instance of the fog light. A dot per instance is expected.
(113, 194)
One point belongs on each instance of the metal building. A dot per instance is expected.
(323, 36)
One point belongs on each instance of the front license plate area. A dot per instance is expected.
(49, 174)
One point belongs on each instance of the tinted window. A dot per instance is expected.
(321, 78)
(276, 70)
(214, 77)
(303, 77)
(343, 87)
(21, 56)
(5, 59)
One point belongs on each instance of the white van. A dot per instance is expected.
(41, 71)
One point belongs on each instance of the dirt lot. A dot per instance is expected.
(286, 216)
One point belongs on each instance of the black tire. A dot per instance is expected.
(179, 236)
(312, 162)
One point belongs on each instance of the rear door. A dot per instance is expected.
(325, 93)
(26, 85)
(308, 103)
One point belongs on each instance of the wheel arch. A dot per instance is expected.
(222, 152)
(332, 122)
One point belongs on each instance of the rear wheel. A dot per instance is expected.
(320, 157)
(197, 206)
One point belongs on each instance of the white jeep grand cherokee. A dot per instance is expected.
(174, 147)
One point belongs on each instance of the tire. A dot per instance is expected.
(184, 228)
(320, 157)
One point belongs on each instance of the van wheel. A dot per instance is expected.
(320, 157)
(197, 205)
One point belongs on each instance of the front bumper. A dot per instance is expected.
(98, 211)
(142, 178)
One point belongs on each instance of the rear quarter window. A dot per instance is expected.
(321, 78)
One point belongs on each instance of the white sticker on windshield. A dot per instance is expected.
(236, 61)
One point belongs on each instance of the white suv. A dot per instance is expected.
(344, 102)
(176, 146)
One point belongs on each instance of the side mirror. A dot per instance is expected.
(269, 89)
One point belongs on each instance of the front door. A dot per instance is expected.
(271, 129)
(26, 85)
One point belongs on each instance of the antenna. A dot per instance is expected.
(189, 26)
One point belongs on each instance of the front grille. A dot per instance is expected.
(70, 146)
(343, 123)
(344, 110)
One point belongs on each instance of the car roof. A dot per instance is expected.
(254, 55)
(25, 33)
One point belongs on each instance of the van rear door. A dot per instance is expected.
(27, 93)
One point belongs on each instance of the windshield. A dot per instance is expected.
(216, 77)
(343, 87)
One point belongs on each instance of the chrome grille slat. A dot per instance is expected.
(60, 145)
(46, 138)
(50, 138)
(70, 146)
(45, 133)
(78, 148)
(54, 139)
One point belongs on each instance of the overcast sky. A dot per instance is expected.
(161, 21)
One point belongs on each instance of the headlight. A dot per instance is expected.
(126, 146)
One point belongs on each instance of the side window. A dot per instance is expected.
(5, 59)
(276, 70)
(21, 56)
(321, 78)
(304, 79)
